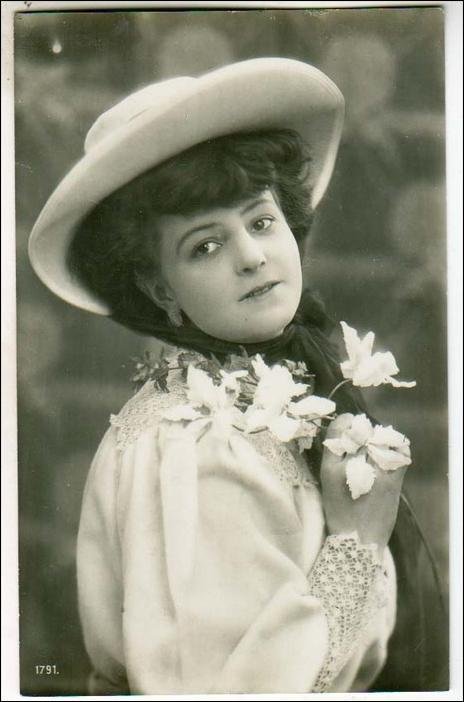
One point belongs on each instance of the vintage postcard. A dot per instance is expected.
(234, 406)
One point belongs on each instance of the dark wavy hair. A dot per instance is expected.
(117, 241)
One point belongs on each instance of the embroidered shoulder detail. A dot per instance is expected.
(144, 410)
(151, 404)
(351, 583)
(280, 458)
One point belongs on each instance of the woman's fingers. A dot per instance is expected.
(373, 514)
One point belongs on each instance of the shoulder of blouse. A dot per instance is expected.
(146, 408)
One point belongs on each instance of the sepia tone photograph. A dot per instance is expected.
(232, 406)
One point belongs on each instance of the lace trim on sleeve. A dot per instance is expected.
(351, 583)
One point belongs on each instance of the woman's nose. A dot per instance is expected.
(249, 253)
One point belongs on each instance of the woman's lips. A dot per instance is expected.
(259, 291)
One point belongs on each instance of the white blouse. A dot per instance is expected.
(204, 565)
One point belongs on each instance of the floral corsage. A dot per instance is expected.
(247, 394)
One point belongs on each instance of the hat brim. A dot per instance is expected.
(251, 95)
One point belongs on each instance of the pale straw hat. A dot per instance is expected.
(165, 118)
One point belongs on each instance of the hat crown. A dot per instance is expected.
(160, 95)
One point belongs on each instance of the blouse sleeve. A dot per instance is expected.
(355, 589)
(100, 582)
(191, 580)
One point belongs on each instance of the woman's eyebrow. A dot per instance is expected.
(255, 203)
(194, 230)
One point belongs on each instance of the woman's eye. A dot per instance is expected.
(263, 223)
(206, 248)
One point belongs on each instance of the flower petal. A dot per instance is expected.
(401, 383)
(361, 430)
(351, 339)
(360, 476)
(349, 445)
(259, 367)
(256, 418)
(374, 370)
(284, 428)
(348, 433)
(338, 425)
(201, 390)
(387, 436)
(367, 344)
(276, 388)
(347, 368)
(336, 446)
(230, 380)
(388, 459)
(312, 407)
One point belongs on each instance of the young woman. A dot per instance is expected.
(216, 554)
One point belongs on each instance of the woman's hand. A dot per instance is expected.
(372, 515)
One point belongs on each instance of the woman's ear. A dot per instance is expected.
(154, 288)
(161, 294)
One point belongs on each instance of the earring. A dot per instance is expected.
(175, 315)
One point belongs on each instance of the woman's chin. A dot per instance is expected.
(259, 338)
(254, 330)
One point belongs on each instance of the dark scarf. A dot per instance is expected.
(304, 339)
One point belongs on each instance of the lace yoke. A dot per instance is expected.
(145, 409)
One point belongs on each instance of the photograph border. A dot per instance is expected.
(454, 118)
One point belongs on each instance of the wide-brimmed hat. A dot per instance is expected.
(168, 117)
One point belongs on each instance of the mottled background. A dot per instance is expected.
(377, 255)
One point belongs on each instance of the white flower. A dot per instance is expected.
(361, 429)
(230, 379)
(260, 368)
(388, 459)
(360, 476)
(355, 436)
(201, 390)
(283, 427)
(387, 436)
(365, 369)
(311, 407)
(350, 434)
(273, 407)
(208, 400)
(389, 448)
(276, 386)
(259, 418)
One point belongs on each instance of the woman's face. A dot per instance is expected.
(234, 271)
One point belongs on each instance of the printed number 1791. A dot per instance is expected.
(46, 670)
